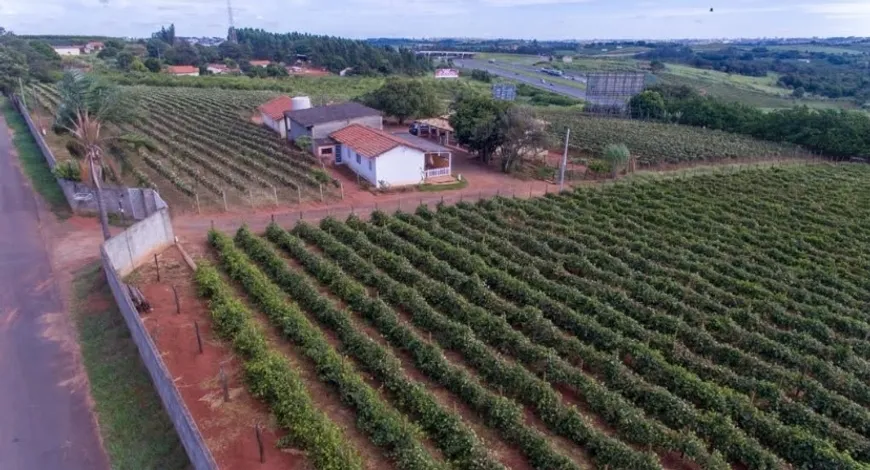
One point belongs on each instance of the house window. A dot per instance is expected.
(358, 160)
(326, 151)
(370, 164)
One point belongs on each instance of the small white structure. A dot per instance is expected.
(67, 50)
(93, 46)
(260, 63)
(386, 160)
(301, 102)
(272, 113)
(567, 59)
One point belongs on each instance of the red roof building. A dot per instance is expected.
(183, 70)
(272, 113)
(369, 142)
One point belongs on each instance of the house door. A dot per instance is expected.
(338, 154)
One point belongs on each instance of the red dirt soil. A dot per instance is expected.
(227, 427)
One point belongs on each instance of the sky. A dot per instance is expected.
(539, 19)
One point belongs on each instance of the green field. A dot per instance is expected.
(716, 321)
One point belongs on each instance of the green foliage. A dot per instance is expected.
(335, 54)
(269, 376)
(13, 67)
(124, 60)
(478, 123)
(68, 170)
(616, 155)
(304, 143)
(481, 75)
(404, 98)
(541, 97)
(648, 104)
(153, 64)
(836, 133)
(386, 427)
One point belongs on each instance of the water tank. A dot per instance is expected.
(301, 102)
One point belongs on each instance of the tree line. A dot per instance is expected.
(839, 134)
(26, 59)
(820, 73)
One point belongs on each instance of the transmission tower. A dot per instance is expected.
(232, 33)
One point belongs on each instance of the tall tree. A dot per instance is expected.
(13, 67)
(404, 98)
(87, 104)
(524, 137)
(478, 123)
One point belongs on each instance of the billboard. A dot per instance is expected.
(614, 84)
(504, 91)
(447, 73)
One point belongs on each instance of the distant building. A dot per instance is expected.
(183, 70)
(219, 69)
(317, 123)
(260, 63)
(67, 50)
(272, 113)
(93, 46)
(567, 59)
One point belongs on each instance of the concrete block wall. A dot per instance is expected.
(122, 254)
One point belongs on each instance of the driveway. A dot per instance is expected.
(45, 420)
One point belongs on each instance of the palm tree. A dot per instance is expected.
(87, 104)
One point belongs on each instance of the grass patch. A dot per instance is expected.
(33, 164)
(443, 187)
(136, 431)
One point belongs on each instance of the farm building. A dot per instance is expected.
(272, 113)
(67, 50)
(219, 69)
(387, 160)
(318, 123)
(260, 63)
(183, 70)
(93, 46)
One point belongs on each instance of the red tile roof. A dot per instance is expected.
(177, 69)
(275, 108)
(369, 142)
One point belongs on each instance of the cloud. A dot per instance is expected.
(839, 11)
(516, 3)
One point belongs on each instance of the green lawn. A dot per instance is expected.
(33, 165)
(136, 431)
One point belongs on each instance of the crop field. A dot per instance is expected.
(655, 144)
(200, 149)
(715, 322)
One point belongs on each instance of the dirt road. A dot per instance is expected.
(45, 420)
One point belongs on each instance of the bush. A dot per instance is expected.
(68, 170)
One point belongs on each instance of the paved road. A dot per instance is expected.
(510, 71)
(45, 422)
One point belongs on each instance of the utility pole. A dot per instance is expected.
(564, 160)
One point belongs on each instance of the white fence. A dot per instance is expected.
(435, 172)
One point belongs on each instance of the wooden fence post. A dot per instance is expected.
(341, 187)
(198, 337)
(321, 192)
(299, 194)
(260, 444)
(157, 265)
(198, 209)
(224, 196)
(177, 302)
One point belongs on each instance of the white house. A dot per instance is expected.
(387, 160)
(272, 113)
(67, 50)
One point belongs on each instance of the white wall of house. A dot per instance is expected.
(400, 166)
(67, 50)
(277, 126)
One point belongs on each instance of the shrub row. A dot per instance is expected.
(451, 435)
(653, 362)
(511, 379)
(811, 392)
(385, 427)
(498, 412)
(271, 378)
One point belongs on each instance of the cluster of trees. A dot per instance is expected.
(335, 54)
(840, 134)
(819, 73)
(404, 98)
(497, 130)
(25, 60)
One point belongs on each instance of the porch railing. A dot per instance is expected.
(435, 172)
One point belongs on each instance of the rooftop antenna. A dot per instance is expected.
(232, 36)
